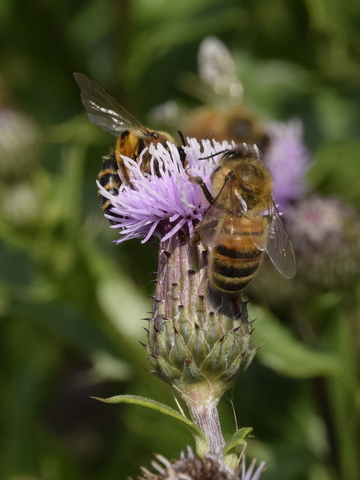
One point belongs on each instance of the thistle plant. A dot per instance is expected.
(199, 341)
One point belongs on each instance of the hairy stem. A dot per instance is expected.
(206, 418)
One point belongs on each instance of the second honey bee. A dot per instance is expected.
(106, 112)
(236, 123)
(226, 115)
(243, 222)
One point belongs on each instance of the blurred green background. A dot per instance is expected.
(71, 302)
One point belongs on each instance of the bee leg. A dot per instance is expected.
(182, 138)
(123, 169)
(196, 238)
(203, 187)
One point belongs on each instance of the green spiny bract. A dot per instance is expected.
(195, 340)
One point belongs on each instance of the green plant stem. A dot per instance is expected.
(206, 417)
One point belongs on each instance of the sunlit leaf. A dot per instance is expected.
(201, 443)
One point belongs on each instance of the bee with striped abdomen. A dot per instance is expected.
(242, 222)
(106, 112)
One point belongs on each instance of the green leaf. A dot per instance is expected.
(200, 440)
(238, 439)
(284, 353)
(232, 460)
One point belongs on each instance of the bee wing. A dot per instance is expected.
(209, 226)
(103, 110)
(258, 229)
(217, 68)
(278, 243)
(221, 214)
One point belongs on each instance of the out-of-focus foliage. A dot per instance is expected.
(71, 302)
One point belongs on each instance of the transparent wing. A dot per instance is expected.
(209, 226)
(217, 68)
(279, 246)
(259, 230)
(223, 213)
(103, 110)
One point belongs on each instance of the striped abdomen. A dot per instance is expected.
(127, 144)
(109, 179)
(235, 258)
(131, 145)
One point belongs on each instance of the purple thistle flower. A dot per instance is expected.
(288, 161)
(190, 467)
(162, 205)
(326, 236)
(249, 474)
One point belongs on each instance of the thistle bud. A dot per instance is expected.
(195, 343)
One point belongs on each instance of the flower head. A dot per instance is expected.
(287, 159)
(165, 204)
(189, 467)
(326, 236)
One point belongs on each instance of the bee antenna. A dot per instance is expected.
(213, 155)
(182, 138)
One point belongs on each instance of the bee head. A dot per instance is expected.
(241, 152)
(250, 177)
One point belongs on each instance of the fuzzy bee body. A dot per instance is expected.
(226, 115)
(243, 222)
(237, 123)
(109, 179)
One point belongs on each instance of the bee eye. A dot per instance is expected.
(230, 154)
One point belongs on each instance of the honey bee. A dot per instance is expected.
(242, 222)
(218, 83)
(236, 123)
(106, 112)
